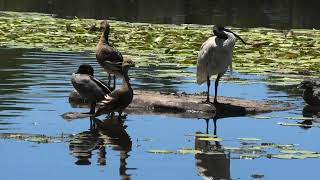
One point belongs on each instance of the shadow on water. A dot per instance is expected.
(272, 13)
(107, 133)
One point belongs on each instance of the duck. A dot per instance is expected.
(107, 56)
(311, 93)
(91, 89)
(120, 98)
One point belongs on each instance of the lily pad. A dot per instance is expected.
(189, 151)
(154, 151)
(210, 139)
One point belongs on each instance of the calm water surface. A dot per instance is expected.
(34, 93)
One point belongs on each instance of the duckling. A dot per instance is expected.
(107, 56)
(311, 93)
(90, 88)
(118, 99)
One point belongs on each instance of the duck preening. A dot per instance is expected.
(91, 89)
(215, 56)
(118, 99)
(107, 56)
(311, 92)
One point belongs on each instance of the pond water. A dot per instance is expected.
(37, 143)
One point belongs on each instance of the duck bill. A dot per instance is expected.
(300, 86)
(236, 36)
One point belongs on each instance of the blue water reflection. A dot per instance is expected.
(34, 93)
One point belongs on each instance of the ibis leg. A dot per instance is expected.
(208, 85)
(207, 130)
(216, 88)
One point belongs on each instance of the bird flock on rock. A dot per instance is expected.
(214, 58)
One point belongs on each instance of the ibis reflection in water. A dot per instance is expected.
(215, 56)
(214, 163)
(109, 132)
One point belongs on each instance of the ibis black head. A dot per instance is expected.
(85, 69)
(220, 30)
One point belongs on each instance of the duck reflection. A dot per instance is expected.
(310, 112)
(109, 132)
(213, 163)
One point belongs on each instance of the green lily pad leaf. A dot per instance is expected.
(188, 151)
(282, 156)
(249, 156)
(297, 152)
(154, 151)
(210, 139)
(310, 155)
(296, 124)
(300, 118)
(262, 117)
(249, 139)
(202, 135)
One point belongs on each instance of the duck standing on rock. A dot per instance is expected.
(118, 99)
(91, 89)
(107, 56)
(311, 93)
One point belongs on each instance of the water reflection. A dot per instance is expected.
(107, 133)
(214, 163)
(273, 13)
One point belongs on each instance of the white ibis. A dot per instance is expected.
(215, 57)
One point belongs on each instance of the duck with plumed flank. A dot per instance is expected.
(118, 99)
(91, 89)
(107, 56)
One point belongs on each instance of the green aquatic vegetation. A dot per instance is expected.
(35, 138)
(300, 118)
(155, 151)
(189, 151)
(210, 139)
(156, 44)
(202, 135)
(297, 124)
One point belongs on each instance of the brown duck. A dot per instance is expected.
(118, 99)
(107, 56)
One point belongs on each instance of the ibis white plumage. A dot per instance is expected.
(215, 57)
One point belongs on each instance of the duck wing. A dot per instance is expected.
(108, 53)
(105, 88)
(108, 104)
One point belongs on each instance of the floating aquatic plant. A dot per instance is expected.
(158, 44)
